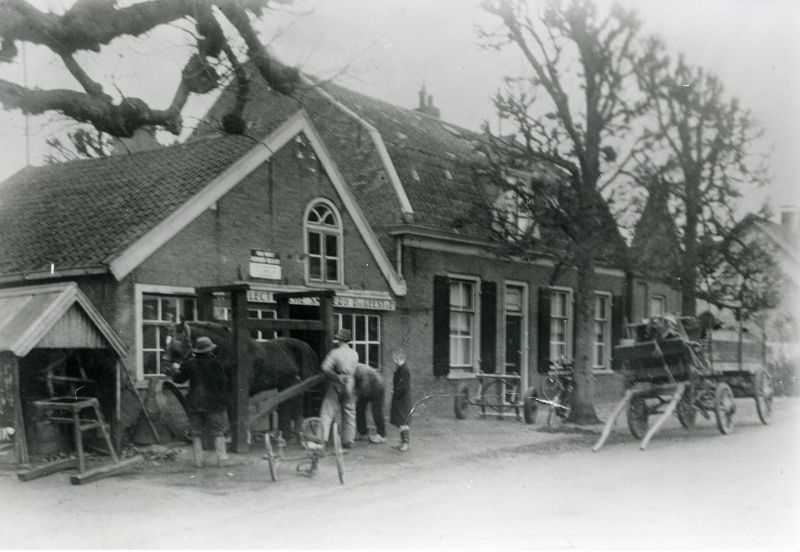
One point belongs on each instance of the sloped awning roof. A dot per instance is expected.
(52, 315)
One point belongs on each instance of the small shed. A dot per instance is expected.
(53, 342)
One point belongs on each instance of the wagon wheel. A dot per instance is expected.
(638, 413)
(551, 388)
(530, 406)
(724, 407)
(338, 452)
(270, 457)
(560, 412)
(461, 401)
(764, 395)
(686, 410)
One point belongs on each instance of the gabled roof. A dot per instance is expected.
(111, 214)
(655, 249)
(28, 314)
(75, 217)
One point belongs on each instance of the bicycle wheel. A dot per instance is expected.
(551, 388)
(560, 411)
(338, 452)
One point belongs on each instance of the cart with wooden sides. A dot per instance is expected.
(670, 370)
(499, 393)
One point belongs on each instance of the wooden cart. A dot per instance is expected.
(668, 371)
(499, 393)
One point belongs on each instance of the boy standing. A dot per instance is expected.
(401, 398)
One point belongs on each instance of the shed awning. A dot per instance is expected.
(53, 316)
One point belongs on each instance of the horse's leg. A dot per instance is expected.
(287, 415)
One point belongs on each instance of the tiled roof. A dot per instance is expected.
(655, 249)
(80, 214)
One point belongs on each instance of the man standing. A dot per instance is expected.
(205, 402)
(339, 366)
(370, 391)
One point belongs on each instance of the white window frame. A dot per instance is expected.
(139, 291)
(324, 230)
(570, 315)
(660, 297)
(262, 313)
(606, 366)
(466, 369)
(523, 369)
(370, 340)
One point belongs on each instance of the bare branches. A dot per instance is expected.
(92, 24)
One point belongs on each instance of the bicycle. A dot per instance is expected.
(558, 389)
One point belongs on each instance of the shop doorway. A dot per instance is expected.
(516, 329)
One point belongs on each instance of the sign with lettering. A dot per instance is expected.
(264, 264)
(339, 301)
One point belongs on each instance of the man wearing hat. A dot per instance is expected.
(339, 367)
(205, 402)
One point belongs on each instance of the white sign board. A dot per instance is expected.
(264, 264)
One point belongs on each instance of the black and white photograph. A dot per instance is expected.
(400, 274)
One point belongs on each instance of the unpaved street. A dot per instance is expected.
(698, 490)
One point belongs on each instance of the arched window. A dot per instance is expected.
(323, 243)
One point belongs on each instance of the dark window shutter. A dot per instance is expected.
(617, 323)
(441, 326)
(543, 331)
(488, 327)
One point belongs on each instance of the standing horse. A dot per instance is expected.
(276, 364)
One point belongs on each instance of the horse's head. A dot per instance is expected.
(178, 348)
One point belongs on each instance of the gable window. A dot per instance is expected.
(159, 312)
(462, 323)
(512, 218)
(560, 324)
(602, 330)
(658, 305)
(323, 232)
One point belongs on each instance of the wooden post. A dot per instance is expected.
(21, 436)
(283, 313)
(116, 422)
(328, 320)
(240, 384)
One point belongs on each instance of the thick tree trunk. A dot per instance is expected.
(583, 411)
(690, 260)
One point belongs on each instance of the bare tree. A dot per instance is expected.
(568, 114)
(89, 25)
(83, 143)
(704, 151)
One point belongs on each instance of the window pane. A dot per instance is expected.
(253, 314)
(150, 362)
(162, 338)
(315, 268)
(361, 349)
(330, 246)
(466, 345)
(188, 308)
(372, 328)
(169, 309)
(314, 243)
(361, 328)
(150, 308)
(332, 270)
(513, 299)
(149, 337)
(347, 322)
(374, 358)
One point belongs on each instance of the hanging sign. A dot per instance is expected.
(264, 264)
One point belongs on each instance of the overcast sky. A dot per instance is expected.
(390, 47)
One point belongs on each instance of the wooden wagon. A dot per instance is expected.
(670, 367)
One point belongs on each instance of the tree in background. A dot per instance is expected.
(703, 151)
(568, 117)
(89, 25)
(83, 143)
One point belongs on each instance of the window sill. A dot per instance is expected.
(603, 371)
(460, 374)
(326, 285)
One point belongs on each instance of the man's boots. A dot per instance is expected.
(222, 453)
(197, 451)
(404, 440)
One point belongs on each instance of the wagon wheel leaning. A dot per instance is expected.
(530, 406)
(686, 409)
(461, 401)
(638, 413)
(561, 410)
(338, 451)
(724, 407)
(763, 395)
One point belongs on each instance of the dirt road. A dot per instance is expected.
(698, 490)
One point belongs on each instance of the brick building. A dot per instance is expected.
(337, 191)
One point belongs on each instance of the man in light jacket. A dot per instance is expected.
(339, 367)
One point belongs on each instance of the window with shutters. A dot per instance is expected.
(323, 231)
(462, 323)
(560, 323)
(602, 330)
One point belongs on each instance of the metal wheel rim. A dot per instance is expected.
(337, 449)
(270, 457)
(637, 418)
(764, 395)
(724, 408)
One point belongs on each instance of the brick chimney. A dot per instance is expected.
(790, 218)
(426, 104)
